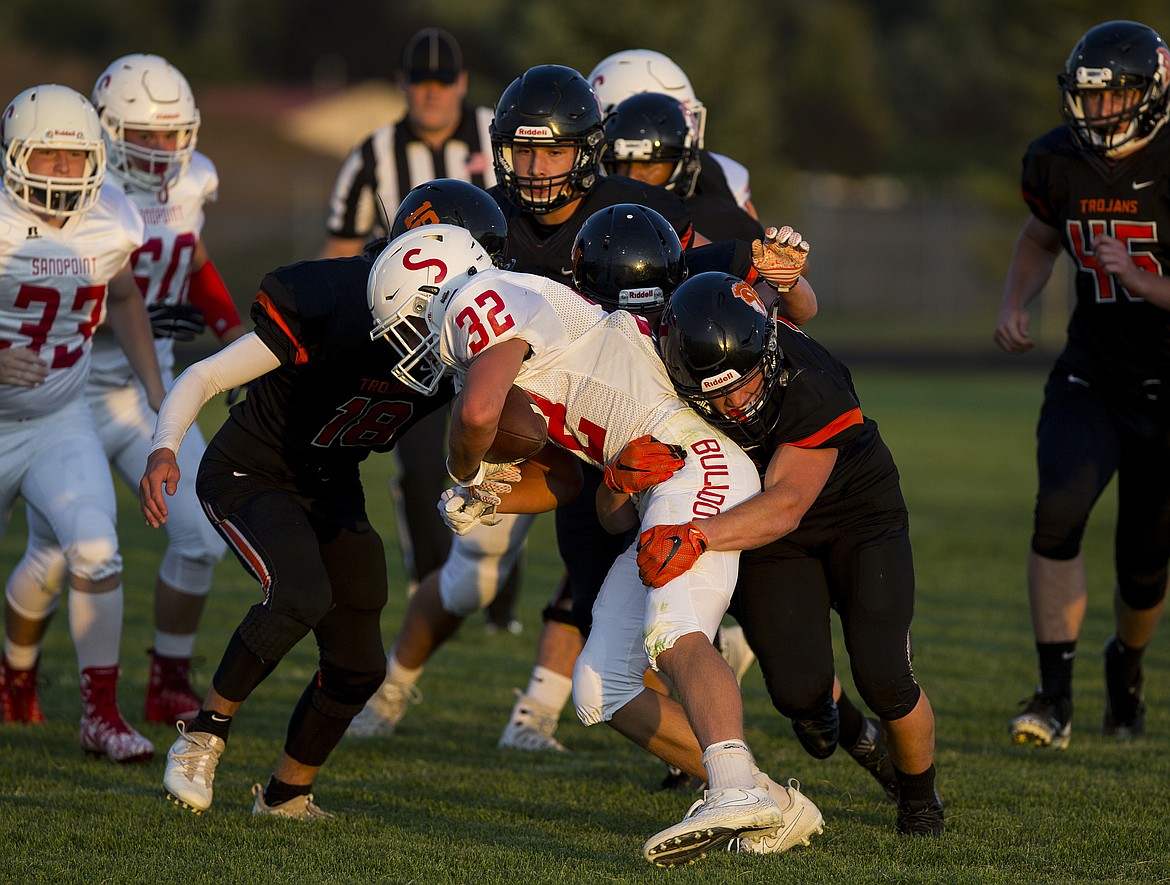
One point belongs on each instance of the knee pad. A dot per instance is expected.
(186, 574)
(270, 635)
(341, 694)
(890, 699)
(557, 615)
(35, 585)
(1059, 547)
(1143, 592)
(94, 558)
(599, 693)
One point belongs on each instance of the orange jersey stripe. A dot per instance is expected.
(274, 313)
(831, 429)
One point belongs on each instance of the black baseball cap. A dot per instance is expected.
(432, 54)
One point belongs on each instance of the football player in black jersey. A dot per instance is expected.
(829, 530)
(280, 481)
(1099, 187)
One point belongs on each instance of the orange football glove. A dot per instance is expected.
(667, 551)
(643, 463)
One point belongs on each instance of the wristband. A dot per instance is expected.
(473, 480)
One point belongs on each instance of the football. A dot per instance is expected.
(521, 432)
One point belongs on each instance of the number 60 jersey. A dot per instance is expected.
(53, 284)
(596, 377)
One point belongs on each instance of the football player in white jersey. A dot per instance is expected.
(150, 122)
(634, 71)
(599, 384)
(65, 241)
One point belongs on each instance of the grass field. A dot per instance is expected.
(437, 802)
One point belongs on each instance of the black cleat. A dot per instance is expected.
(921, 818)
(1125, 708)
(871, 754)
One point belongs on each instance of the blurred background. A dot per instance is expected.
(889, 132)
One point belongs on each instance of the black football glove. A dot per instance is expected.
(179, 321)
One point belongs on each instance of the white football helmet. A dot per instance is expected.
(411, 284)
(52, 117)
(633, 71)
(147, 92)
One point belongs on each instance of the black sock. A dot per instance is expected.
(212, 723)
(278, 792)
(852, 721)
(1056, 667)
(1129, 661)
(916, 787)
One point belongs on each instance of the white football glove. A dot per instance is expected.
(780, 256)
(465, 507)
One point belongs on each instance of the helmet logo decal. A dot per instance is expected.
(534, 132)
(410, 264)
(1094, 78)
(717, 381)
(747, 294)
(424, 214)
(635, 297)
(633, 148)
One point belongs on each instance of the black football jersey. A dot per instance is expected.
(1114, 338)
(332, 400)
(819, 408)
(547, 250)
(714, 212)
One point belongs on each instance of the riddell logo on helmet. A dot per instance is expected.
(67, 133)
(717, 381)
(634, 297)
(533, 132)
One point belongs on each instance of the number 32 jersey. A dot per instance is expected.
(53, 284)
(1114, 338)
(595, 376)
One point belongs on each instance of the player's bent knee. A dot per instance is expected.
(341, 694)
(598, 694)
(1143, 592)
(189, 575)
(94, 559)
(270, 635)
(890, 699)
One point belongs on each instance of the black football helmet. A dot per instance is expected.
(450, 201)
(1117, 55)
(715, 337)
(627, 257)
(545, 106)
(654, 128)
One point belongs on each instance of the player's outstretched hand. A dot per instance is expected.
(780, 256)
(22, 367)
(162, 473)
(643, 463)
(667, 551)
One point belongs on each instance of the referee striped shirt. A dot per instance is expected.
(393, 159)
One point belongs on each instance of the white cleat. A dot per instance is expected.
(190, 769)
(531, 727)
(721, 816)
(801, 820)
(296, 808)
(384, 710)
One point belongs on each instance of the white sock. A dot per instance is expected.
(399, 674)
(548, 688)
(729, 765)
(20, 657)
(95, 622)
(174, 645)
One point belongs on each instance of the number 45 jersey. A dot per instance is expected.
(1114, 338)
(53, 284)
(595, 376)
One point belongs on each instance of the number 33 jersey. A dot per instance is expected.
(1114, 338)
(53, 284)
(595, 376)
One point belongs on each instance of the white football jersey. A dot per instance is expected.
(596, 377)
(53, 285)
(162, 266)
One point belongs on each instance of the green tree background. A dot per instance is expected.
(889, 131)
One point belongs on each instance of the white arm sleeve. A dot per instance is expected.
(243, 360)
